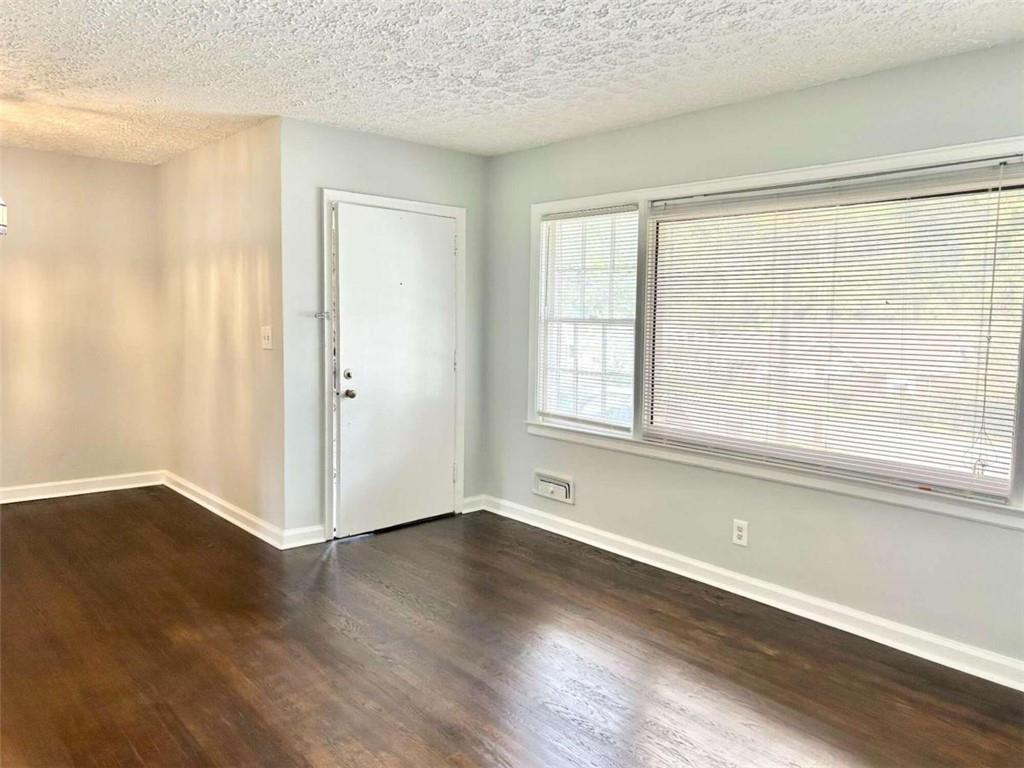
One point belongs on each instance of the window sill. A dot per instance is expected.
(988, 512)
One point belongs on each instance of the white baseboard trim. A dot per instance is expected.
(258, 527)
(480, 501)
(301, 537)
(282, 538)
(979, 662)
(14, 493)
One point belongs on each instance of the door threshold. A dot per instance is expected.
(398, 527)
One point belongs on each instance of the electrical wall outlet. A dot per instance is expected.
(740, 532)
(266, 337)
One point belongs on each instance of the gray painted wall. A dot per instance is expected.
(960, 579)
(314, 157)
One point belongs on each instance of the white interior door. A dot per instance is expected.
(396, 332)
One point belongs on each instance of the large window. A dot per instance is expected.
(864, 327)
(587, 317)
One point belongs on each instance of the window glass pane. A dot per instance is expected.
(587, 316)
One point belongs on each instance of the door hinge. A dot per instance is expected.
(455, 472)
(334, 229)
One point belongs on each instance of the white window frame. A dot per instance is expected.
(1006, 515)
(535, 333)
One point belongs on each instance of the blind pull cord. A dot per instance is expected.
(982, 437)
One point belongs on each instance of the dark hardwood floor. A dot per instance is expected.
(139, 629)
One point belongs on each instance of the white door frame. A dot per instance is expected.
(329, 312)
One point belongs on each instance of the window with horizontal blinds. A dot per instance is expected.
(587, 315)
(868, 331)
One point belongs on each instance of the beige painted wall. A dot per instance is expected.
(83, 389)
(220, 240)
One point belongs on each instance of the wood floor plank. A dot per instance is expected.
(137, 629)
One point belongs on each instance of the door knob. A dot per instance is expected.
(349, 393)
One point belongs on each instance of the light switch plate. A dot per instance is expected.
(266, 337)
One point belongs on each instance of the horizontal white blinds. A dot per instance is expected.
(876, 338)
(587, 314)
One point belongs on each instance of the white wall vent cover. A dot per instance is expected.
(554, 486)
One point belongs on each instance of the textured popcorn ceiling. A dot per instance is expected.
(144, 79)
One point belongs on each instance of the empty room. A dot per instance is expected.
(512, 383)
